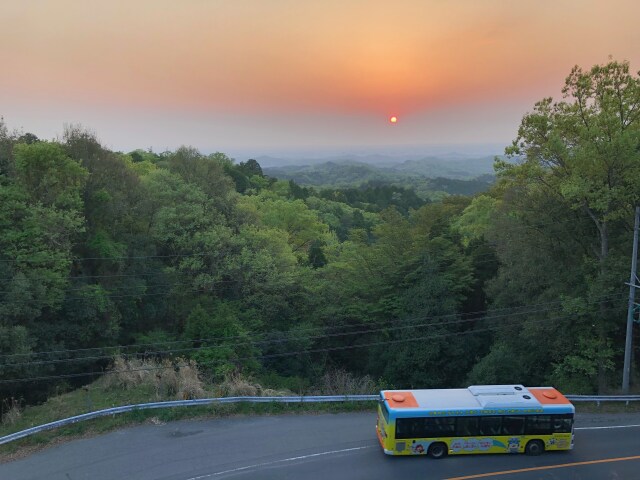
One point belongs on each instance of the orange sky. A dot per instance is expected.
(250, 73)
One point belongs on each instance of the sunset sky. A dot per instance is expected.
(272, 76)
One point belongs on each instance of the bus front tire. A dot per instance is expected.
(438, 450)
(534, 447)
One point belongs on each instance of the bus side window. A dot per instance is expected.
(410, 427)
(513, 425)
(490, 425)
(557, 424)
(539, 425)
(440, 427)
(467, 427)
(446, 426)
(403, 428)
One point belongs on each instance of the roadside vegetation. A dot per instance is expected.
(143, 386)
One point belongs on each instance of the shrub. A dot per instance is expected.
(13, 412)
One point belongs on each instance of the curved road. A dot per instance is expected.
(309, 447)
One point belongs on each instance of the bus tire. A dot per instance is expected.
(438, 450)
(534, 447)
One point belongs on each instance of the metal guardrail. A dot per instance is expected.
(301, 399)
(182, 403)
(603, 398)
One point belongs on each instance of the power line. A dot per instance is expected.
(120, 287)
(273, 341)
(139, 257)
(274, 355)
(284, 340)
(508, 311)
(115, 275)
(203, 289)
(129, 286)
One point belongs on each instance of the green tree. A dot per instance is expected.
(294, 217)
(223, 344)
(250, 168)
(40, 218)
(475, 220)
(49, 176)
(579, 157)
(207, 172)
(585, 149)
(6, 149)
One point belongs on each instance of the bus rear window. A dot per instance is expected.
(385, 412)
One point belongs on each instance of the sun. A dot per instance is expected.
(393, 119)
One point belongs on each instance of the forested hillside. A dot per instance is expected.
(427, 178)
(183, 254)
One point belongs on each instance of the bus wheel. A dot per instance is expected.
(534, 447)
(438, 450)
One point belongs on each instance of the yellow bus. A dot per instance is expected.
(477, 419)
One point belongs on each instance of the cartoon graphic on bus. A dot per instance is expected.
(513, 445)
(418, 448)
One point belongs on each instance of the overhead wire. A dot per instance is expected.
(274, 355)
(268, 342)
(493, 314)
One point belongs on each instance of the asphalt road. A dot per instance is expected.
(309, 447)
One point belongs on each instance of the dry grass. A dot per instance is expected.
(178, 379)
(341, 382)
(235, 385)
(13, 412)
(190, 384)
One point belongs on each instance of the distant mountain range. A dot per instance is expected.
(453, 162)
(429, 177)
(352, 168)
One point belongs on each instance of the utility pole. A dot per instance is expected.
(632, 303)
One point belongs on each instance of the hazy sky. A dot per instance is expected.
(274, 75)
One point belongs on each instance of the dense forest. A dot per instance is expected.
(193, 255)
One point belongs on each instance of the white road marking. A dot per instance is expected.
(606, 428)
(304, 457)
(292, 459)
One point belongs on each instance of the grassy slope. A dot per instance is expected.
(97, 397)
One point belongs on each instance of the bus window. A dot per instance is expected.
(538, 425)
(409, 427)
(490, 425)
(512, 425)
(402, 428)
(443, 427)
(424, 427)
(467, 427)
(562, 423)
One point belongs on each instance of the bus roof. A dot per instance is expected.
(477, 400)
